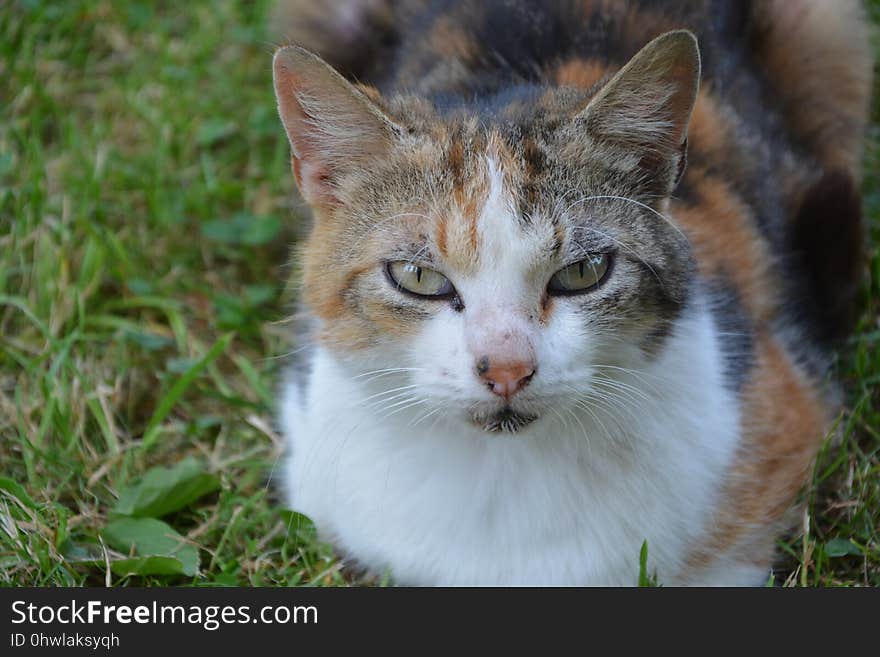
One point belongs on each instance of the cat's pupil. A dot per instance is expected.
(581, 268)
(416, 270)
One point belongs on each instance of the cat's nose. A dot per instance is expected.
(505, 378)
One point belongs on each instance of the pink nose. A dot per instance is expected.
(505, 379)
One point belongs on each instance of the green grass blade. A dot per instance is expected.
(180, 386)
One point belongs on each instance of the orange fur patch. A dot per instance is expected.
(782, 424)
(725, 240)
(461, 236)
(580, 72)
(447, 39)
(708, 131)
(440, 236)
(546, 309)
(826, 91)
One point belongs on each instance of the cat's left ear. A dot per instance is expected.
(334, 129)
(645, 108)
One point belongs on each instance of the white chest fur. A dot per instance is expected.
(558, 504)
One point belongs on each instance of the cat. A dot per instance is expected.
(574, 279)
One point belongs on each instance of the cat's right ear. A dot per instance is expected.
(645, 108)
(332, 126)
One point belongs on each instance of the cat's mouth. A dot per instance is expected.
(505, 420)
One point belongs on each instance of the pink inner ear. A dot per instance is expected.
(311, 174)
(332, 126)
(682, 102)
(292, 115)
(313, 181)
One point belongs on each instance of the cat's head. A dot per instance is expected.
(501, 260)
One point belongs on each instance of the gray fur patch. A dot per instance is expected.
(735, 329)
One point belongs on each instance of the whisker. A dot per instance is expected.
(385, 392)
(390, 369)
(286, 355)
(583, 430)
(380, 402)
(562, 420)
(406, 400)
(632, 393)
(417, 254)
(633, 201)
(403, 408)
(382, 222)
(641, 375)
(424, 417)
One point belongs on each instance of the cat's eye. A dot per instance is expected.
(419, 280)
(581, 276)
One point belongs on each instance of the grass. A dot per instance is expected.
(145, 218)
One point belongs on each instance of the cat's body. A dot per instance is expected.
(509, 428)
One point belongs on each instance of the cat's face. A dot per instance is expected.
(494, 273)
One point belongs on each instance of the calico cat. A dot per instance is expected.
(574, 278)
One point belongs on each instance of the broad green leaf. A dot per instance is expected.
(149, 566)
(231, 311)
(215, 130)
(7, 161)
(208, 421)
(155, 548)
(147, 340)
(257, 295)
(79, 552)
(139, 286)
(225, 579)
(841, 547)
(299, 525)
(164, 490)
(261, 231)
(91, 555)
(179, 365)
(242, 228)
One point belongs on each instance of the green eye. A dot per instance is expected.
(580, 277)
(419, 280)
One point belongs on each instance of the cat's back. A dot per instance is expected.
(808, 61)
